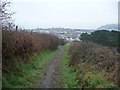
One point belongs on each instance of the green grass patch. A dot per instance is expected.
(25, 75)
(68, 76)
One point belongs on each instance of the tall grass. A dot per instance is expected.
(22, 44)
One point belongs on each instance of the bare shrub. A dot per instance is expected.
(6, 21)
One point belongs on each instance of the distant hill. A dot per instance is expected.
(109, 27)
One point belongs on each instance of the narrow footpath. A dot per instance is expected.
(49, 78)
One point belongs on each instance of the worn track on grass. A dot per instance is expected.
(49, 78)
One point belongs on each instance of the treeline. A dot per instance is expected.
(21, 44)
(103, 37)
(96, 66)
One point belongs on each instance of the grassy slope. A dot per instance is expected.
(26, 75)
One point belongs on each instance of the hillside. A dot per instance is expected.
(108, 27)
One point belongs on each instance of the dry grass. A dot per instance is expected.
(21, 44)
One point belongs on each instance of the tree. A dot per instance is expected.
(5, 15)
(103, 37)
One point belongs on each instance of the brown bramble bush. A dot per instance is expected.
(97, 56)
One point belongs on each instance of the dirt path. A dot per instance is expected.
(48, 80)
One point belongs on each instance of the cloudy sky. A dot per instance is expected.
(87, 14)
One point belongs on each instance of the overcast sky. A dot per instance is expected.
(87, 14)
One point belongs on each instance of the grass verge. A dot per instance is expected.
(25, 75)
(67, 74)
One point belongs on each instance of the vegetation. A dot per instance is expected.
(85, 64)
(67, 75)
(24, 53)
(21, 44)
(26, 75)
(95, 65)
(24, 56)
(103, 37)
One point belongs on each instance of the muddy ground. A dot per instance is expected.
(48, 80)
